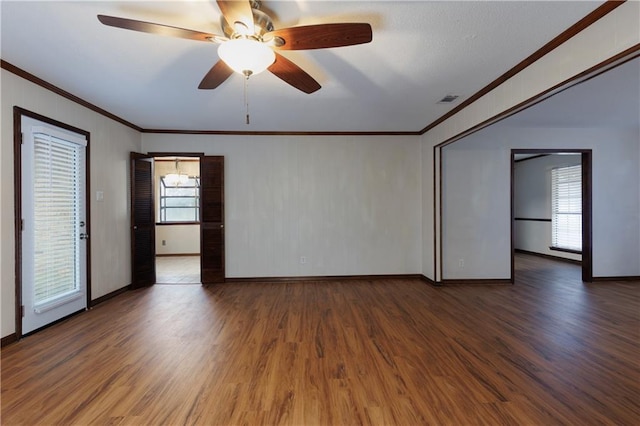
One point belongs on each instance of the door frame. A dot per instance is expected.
(18, 113)
(587, 203)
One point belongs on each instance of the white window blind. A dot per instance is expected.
(566, 208)
(57, 210)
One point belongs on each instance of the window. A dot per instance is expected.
(179, 202)
(57, 214)
(566, 208)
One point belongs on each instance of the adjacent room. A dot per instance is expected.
(320, 212)
(177, 209)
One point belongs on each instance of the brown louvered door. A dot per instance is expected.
(143, 245)
(212, 219)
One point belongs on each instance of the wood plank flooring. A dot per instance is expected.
(178, 270)
(547, 350)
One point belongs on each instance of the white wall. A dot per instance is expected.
(532, 200)
(350, 205)
(476, 199)
(109, 156)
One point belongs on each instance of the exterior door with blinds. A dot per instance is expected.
(54, 229)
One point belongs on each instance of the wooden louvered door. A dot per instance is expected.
(212, 219)
(143, 252)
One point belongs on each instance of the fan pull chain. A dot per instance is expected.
(246, 97)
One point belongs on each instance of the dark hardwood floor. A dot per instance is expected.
(547, 350)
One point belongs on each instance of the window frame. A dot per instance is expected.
(162, 207)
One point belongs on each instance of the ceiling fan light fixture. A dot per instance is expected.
(176, 179)
(246, 56)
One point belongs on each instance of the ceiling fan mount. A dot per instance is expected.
(261, 21)
(250, 43)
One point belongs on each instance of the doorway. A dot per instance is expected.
(206, 218)
(177, 211)
(551, 206)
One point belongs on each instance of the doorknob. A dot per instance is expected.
(84, 236)
(221, 226)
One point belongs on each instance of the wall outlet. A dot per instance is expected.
(164, 242)
(303, 260)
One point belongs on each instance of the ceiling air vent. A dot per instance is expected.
(448, 99)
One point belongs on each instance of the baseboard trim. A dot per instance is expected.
(479, 281)
(7, 340)
(108, 296)
(430, 281)
(178, 255)
(324, 278)
(627, 278)
(548, 256)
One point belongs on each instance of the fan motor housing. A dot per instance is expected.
(261, 21)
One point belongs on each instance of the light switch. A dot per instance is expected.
(99, 195)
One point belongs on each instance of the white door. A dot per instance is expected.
(54, 239)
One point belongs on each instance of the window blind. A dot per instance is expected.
(566, 207)
(57, 204)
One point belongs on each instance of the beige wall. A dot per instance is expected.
(110, 145)
(349, 205)
(179, 239)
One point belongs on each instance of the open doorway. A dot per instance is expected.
(146, 211)
(177, 211)
(551, 206)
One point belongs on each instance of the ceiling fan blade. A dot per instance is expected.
(322, 36)
(216, 76)
(151, 28)
(238, 11)
(290, 73)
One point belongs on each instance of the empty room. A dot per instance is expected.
(320, 212)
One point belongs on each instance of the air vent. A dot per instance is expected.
(448, 99)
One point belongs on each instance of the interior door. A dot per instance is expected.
(143, 245)
(54, 223)
(212, 219)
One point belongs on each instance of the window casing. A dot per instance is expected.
(566, 208)
(179, 203)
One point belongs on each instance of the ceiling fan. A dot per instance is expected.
(250, 42)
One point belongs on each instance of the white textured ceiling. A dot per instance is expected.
(421, 51)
